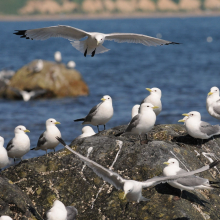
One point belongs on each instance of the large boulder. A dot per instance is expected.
(55, 78)
(62, 176)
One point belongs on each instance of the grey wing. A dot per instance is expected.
(133, 123)
(209, 129)
(41, 141)
(10, 145)
(92, 112)
(71, 212)
(64, 31)
(37, 92)
(106, 174)
(216, 108)
(17, 91)
(137, 38)
(191, 181)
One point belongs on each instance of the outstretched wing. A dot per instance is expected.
(137, 39)
(162, 179)
(107, 175)
(64, 31)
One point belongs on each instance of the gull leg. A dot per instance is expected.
(14, 160)
(98, 128)
(140, 138)
(93, 53)
(85, 53)
(54, 150)
(104, 127)
(181, 192)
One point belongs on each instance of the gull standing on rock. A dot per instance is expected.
(213, 102)
(135, 110)
(60, 212)
(99, 114)
(87, 131)
(4, 160)
(20, 144)
(47, 140)
(185, 183)
(36, 67)
(144, 121)
(200, 129)
(58, 57)
(93, 44)
(155, 99)
(132, 189)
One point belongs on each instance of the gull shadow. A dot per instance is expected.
(165, 188)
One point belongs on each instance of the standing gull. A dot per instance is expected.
(4, 161)
(87, 131)
(58, 57)
(47, 140)
(213, 102)
(36, 67)
(135, 110)
(99, 114)
(155, 99)
(185, 183)
(132, 188)
(20, 144)
(93, 43)
(71, 65)
(144, 121)
(200, 129)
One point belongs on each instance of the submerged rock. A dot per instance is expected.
(58, 80)
(62, 176)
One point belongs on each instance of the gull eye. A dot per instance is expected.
(51, 121)
(20, 128)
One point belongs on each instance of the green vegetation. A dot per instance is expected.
(11, 6)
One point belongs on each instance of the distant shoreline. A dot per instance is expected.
(108, 16)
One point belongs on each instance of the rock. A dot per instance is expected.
(60, 176)
(55, 78)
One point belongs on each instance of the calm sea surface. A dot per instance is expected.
(185, 73)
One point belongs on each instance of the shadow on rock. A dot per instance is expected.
(167, 189)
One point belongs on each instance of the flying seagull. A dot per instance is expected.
(93, 44)
(132, 188)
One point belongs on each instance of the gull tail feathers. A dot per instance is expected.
(213, 164)
(101, 49)
(80, 119)
(79, 45)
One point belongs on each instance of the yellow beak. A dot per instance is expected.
(57, 123)
(124, 195)
(181, 120)
(210, 93)
(103, 99)
(26, 130)
(185, 114)
(155, 107)
(148, 89)
(166, 163)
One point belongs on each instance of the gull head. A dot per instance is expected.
(1, 141)
(100, 38)
(51, 122)
(128, 187)
(155, 91)
(87, 129)
(184, 119)
(147, 107)
(172, 162)
(193, 114)
(59, 204)
(57, 56)
(20, 129)
(106, 98)
(214, 91)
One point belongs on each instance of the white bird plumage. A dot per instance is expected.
(57, 212)
(57, 57)
(93, 44)
(135, 110)
(5, 217)
(71, 65)
(87, 131)
(4, 160)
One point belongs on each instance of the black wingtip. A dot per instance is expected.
(33, 148)
(61, 141)
(171, 43)
(22, 33)
(213, 164)
(80, 119)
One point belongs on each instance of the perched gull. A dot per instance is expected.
(57, 57)
(60, 212)
(5, 217)
(200, 129)
(87, 131)
(99, 114)
(185, 183)
(36, 67)
(94, 41)
(132, 188)
(4, 161)
(154, 99)
(213, 102)
(71, 65)
(20, 144)
(144, 121)
(47, 140)
(135, 110)
(28, 95)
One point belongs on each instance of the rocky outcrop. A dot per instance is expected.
(63, 176)
(56, 79)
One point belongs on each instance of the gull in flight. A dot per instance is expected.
(93, 44)
(132, 189)
(185, 183)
